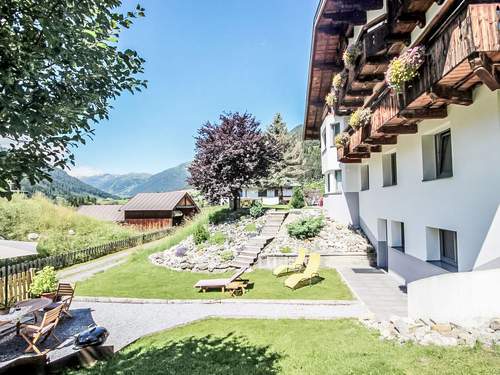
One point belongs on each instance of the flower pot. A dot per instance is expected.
(49, 295)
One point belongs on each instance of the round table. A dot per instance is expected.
(22, 309)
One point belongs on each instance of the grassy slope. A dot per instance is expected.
(219, 346)
(139, 278)
(22, 216)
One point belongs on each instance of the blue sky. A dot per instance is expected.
(203, 57)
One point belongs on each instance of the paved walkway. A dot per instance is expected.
(86, 270)
(379, 291)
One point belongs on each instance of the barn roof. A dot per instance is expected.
(105, 212)
(154, 201)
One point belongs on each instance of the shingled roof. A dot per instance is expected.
(111, 212)
(154, 201)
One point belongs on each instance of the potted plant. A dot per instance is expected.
(404, 68)
(351, 54)
(360, 118)
(44, 283)
(5, 306)
(331, 99)
(342, 140)
(338, 81)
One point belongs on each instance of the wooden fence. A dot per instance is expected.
(18, 271)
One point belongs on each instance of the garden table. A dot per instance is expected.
(22, 309)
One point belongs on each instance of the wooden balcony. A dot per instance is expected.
(343, 158)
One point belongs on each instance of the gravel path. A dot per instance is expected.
(89, 269)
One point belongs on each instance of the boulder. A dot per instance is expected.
(495, 324)
(33, 236)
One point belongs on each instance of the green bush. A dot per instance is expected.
(21, 216)
(257, 210)
(200, 234)
(286, 250)
(225, 215)
(251, 227)
(218, 238)
(226, 255)
(44, 281)
(297, 200)
(306, 227)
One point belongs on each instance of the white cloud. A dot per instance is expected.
(84, 171)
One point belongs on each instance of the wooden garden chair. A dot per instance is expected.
(64, 296)
(32, 334)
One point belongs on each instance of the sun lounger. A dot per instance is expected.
(296, 266)
(207, 284)
(309, 273)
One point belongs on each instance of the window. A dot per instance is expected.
(276, 192)
(365, 177)
(262, 193)
(335, 131)
(328, 184)
(338, 181)
(398, 235)
(448, 246)
(389, 169)
(444, 166)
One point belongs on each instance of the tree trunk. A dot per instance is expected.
(234, 203)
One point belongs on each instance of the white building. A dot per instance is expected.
(422, 179)
(268, 196)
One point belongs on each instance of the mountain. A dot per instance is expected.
(169, 180)
(130, 184)
(121, 185)
(65, 186)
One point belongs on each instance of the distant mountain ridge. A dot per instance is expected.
(130, 184)
(65, 186)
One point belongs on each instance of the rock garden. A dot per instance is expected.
(211, 248)
(332, 237)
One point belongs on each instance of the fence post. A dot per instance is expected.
(6, 285)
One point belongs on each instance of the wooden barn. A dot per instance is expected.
(159, 210)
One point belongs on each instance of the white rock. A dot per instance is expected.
(33, 236)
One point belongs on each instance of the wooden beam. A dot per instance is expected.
(358, 155)
(450, 95)
(482, 68)
(424, 113)
(361, 4)
(392, 140)
(399, 129)
(353, 103)
(346, 160)
(359, 92)
(375, 77)
(333, 29)
(399, 38)
(378, 59)
(412, 18)
(355, 16)
(334, 66)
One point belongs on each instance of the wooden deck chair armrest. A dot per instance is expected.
(29, 326)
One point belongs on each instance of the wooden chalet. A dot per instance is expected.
(462, 44)
(159, 210)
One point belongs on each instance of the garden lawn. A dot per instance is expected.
(291, 347)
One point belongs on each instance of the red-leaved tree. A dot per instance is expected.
(231, 154)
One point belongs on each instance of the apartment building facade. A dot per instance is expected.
(422, 178)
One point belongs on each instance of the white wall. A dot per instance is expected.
(462, 298)
(466, 203)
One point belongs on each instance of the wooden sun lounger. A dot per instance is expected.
(222, 284)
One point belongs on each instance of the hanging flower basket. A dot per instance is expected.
(404, 68)
(331, 99)
(351, 54)
(360, 118)
(342, 140)
(338, 81)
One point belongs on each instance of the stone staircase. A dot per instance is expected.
(252, 249)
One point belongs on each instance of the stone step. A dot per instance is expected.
(246, 258)
(252, 248)
(249, 254)
(238, 264)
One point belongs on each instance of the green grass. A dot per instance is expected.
(277, 206)
(21, 216)
(286, 250)
(251, 227)
(218, 238)
(140, 279)
(291, 347)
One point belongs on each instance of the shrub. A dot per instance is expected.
(200, 234)
(226, 255)
(218, 238)
(361, 117)
(306, 227)
(218, 216)
(286, 250)
(257, 210)
(331, 99)
(342, 139)
(44, 281)
(297, 200)
(338, 81)
(350, 55)
(404, 68)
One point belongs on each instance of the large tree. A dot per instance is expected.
(60, 67)
(231, 154)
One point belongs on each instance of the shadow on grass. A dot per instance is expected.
(195, 356)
